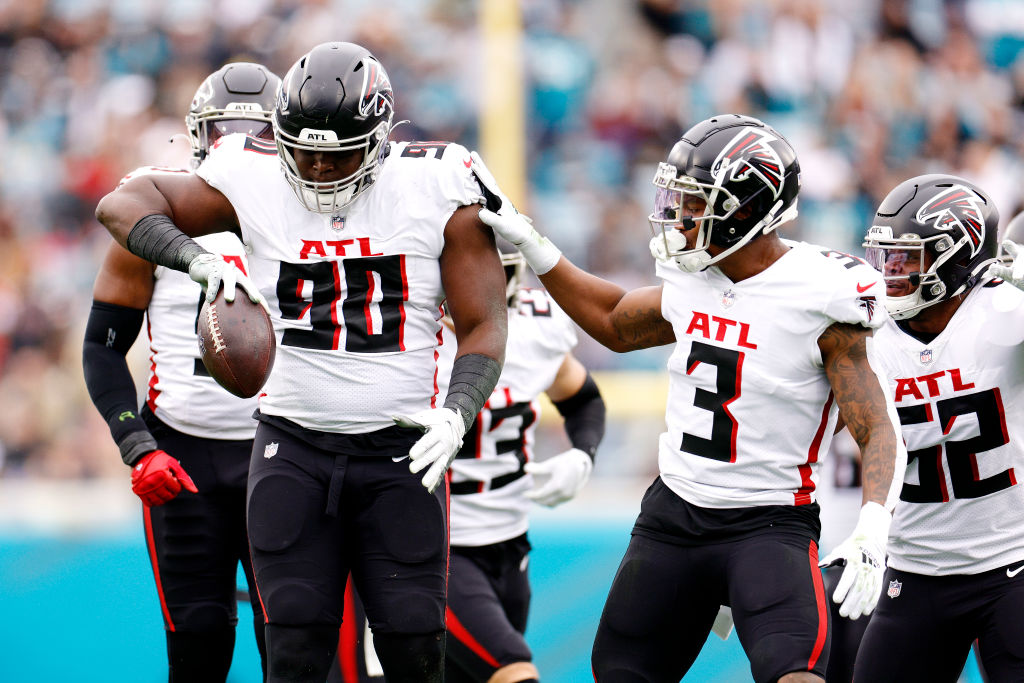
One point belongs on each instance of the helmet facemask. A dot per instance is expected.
(328, 197)
(205, 128)
(514, 265)
(934, 255)
(721, 205)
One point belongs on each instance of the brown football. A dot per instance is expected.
(236, 342)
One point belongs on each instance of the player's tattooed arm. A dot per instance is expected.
(862, 405)
(638, 321)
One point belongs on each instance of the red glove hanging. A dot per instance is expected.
(157, 478)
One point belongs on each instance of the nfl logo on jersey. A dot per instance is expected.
(337, 223)
(926, 356)
(728, 298)
(894, 589)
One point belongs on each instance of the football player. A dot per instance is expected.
(953, 354)
(773, 341)
(190, 433)
(494, 478)
(353, 243)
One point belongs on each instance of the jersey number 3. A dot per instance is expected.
(729, 364)
(372, 313)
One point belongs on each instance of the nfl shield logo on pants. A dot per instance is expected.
(894, 588)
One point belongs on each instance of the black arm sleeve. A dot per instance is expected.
(109, 333)
(157, 239)
(473, 379)
(584, 415)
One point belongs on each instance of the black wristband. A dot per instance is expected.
(474, 376)
(109, 332)
(135, 445)
(584, 414)
(157, 239)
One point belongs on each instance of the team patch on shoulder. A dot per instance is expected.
(868, 303)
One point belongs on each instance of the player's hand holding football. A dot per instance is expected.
(559, 478)
(863, 557)
(443, 431)
(157, 478)
(212, 271)
(1011, 265)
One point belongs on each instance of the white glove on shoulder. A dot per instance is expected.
(560, 477)
(862, 557)
(539, 252)
(212, 271)
(443, 430)
(1010, 267)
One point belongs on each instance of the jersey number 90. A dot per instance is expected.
(371, 315)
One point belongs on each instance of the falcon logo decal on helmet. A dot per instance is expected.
(956, 207)
(377, 96)
(750, 152)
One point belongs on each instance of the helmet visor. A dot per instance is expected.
(903, 261)
(257, 128)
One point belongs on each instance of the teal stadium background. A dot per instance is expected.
(83, 608)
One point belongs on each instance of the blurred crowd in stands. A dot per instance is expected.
(868, 92)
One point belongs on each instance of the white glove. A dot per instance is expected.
(443, 431)
(863, 557)
(539, 252)
(212, 271)
(483, 174)
(559, 478)
(1011, 265)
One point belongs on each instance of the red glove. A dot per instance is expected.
(157, 478)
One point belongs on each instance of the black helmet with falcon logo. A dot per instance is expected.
(739, 172)
(236, 98)
(335, 98)
(945, 226)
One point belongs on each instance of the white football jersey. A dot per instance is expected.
(488, 483)
(180, 391)
(750, 410)
(355, 296)
(960, 399)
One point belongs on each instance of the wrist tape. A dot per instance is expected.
(157, 239)
(474, 376)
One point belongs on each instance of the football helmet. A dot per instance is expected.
(515, 265)
(335, 98)
(933, 237)
(742, 176)
(236, 98)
